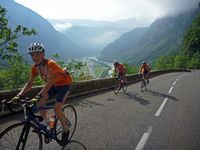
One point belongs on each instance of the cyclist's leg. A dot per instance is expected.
(61, 98)
(61, 116)
(43, 113)
(121, 78)
(143, 76)
(146, 78)
(42, 103)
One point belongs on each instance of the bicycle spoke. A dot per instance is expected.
(14, 138)
(8, 141)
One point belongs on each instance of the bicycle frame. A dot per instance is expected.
(30, 118)
(120, 80)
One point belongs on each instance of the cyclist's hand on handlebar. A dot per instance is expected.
(16, 98)
(37, 98)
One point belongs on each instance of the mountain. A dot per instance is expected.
(163, 36)
(119, 48)
(93, 39)
(53, 41)
(92, 36)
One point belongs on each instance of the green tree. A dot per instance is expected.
(164, 62)
(194, 63)
(191, 41)
(57, 59)
(180, 61)
(8, 37)
(189, 54)
(74, 68)
(15, 70)
(131, 69)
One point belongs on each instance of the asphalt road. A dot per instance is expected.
(165, 117)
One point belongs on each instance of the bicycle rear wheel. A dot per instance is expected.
(71, 116)
(21, 137)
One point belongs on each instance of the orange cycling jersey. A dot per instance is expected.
(144, 68)
(52, 68)
(120, 68)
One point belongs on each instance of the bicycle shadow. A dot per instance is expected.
(85, 103)
(156, 93)
(74, 145)
(134, 96)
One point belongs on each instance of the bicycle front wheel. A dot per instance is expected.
(143, 86)
(125, 86)
(117, 87)
(71, 116)
(15, 107)
(20, 137)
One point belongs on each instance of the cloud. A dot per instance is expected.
(108, 9)
(62, 26)
(174, 7)
(104, 38)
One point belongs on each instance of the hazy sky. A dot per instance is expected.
(107, 9)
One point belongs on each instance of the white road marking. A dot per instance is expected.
(174, 83)
(170, 90)
(144, 139)
(165, 100)
(161, 107)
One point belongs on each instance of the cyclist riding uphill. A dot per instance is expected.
(121, 69)
(145, 71)
(57, 82)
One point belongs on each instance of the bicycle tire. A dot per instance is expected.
(71, 123)
(15, 108)
(143, 86)
(73, 144)
(13, 145)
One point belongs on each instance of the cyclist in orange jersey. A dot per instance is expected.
(57, 82)
(145, 71)
(121, 69)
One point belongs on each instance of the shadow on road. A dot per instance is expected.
(13, 118)
(139, 99)
(86, 103)
(156, 93)
(74, 145)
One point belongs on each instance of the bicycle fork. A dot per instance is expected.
(23, 136)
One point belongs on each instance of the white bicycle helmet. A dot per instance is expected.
(36, 47)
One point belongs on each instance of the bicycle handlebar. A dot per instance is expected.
(22, 102)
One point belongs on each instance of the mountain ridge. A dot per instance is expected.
(163, 36)
(53, 41)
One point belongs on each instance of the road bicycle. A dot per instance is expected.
(29, 133)
(120, 84)
(143, 83)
